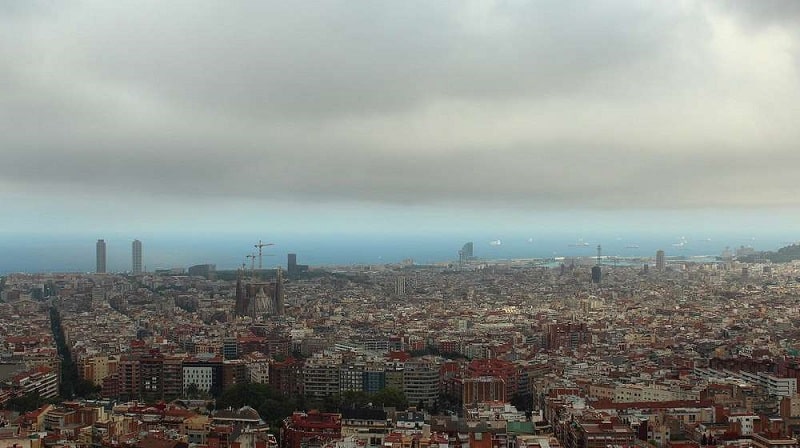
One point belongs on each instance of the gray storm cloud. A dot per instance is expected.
(553, 103)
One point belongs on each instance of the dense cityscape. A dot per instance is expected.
(584, 352)
(399, 224)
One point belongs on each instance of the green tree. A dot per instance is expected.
(87, 389)
(192, 391)
(355, 399)
(69, 370)
(390, 397)
(271, 405)
(523, 402)
(26, 403)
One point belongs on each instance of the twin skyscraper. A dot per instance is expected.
(136, 250)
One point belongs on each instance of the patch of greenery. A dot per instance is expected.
(26, 403)
(274, 407)
(783, 255)
(70, 381)
(271, 405)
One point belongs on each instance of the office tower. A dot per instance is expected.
(660, 262)
(101, 257)
(293, 270)
(400, 285)
(421, 382)
(137, 257)
(466, 253)
(208, 271)
(230, 348)
(596, 274)
(468, 250)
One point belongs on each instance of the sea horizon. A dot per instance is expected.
(34, 254)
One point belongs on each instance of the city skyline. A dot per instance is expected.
(228, 253)
(453, 224)
(478, 115)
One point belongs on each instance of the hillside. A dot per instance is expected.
(783, 255)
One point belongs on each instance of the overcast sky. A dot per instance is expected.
(143, 116)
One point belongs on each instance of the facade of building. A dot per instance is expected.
(483, 389)
(421, 382)
(367, 425)
(374, 379)
(310, 429)
(136, 251)
(127, 386)
(151, 372)
(566, 335)
(597, 274)
(286, 377)
(292, 268)
(321, 376)
(42, 380)
(205, 374)
(96, 368)
(257, 367)
(234, 372)
(782, 387)
(400, 283)
(100, 257)
(600, 434)
(466, 253)
(207, 271)
(496, 368)
(230, 348)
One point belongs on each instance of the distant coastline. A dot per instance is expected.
(77, 255)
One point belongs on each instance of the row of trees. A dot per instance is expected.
(25, 403)
(71, 384)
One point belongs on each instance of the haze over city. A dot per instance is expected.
(408, 224)
(476, 119)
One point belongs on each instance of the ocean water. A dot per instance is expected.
(38, 253)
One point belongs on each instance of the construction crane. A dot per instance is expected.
(259, 246)
(252, 258)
